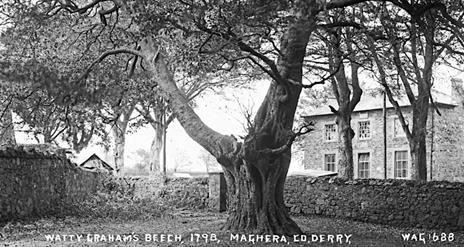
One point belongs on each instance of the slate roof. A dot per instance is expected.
(94, 156)
(369, 102)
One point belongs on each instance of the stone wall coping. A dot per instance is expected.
(26, 153)
(215, 173)
(388, 182)
(30, 153)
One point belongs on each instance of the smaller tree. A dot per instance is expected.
(7, 132)
(411, 42)
(334, 54)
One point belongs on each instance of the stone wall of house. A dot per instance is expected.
(448, 144)
(317, 147)
(445, 143)
(437, 204)
(34, 183)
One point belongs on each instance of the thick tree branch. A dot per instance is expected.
(220, 146)
(393, 38)
(341, 3)
(357, 91)
(442, 7)
(383, 81)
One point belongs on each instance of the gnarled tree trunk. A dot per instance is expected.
(256, 175)
(255, 196)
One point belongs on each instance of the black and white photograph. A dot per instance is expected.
(231, 123)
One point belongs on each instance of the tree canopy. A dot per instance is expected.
(100, 45)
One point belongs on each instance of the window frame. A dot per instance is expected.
(335, 137)
(358, 172)
(359, 129)
(334, 163)
(395, 166)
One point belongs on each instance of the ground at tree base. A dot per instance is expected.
(186, 223)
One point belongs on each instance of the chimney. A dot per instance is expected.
(457, 91)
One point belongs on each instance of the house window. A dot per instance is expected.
(397, 128)
(401, 164)
(330, 132)
(363, 165)
(329, 162)
(364, 130)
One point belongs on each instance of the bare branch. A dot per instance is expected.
(397, 60)
(304, 129)
(71, 7)
(383, 81)
(103, 56)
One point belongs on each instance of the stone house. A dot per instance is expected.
(96, 164)
(445, 139)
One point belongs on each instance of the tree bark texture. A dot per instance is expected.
(118, 149)
(157, 116)
(7, 133)
(345, 147)
(156, 149)
(119, 134)
(422, 78)
(256, 196)
(347, 93)
(417, 140)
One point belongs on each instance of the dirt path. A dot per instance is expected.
(181, 227)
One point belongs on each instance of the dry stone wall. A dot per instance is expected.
(189, 193)
(436, 205)
(35, 183)
(186, 193)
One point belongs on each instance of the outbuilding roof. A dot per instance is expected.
(94, 156)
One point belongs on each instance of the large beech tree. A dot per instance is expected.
(269, 35)
(256, 168)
